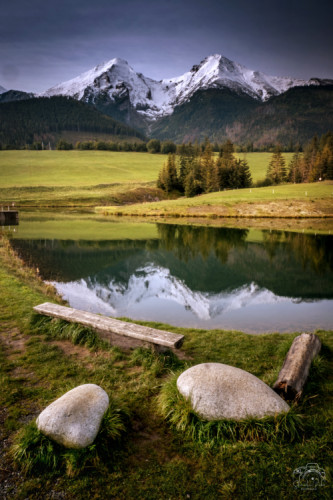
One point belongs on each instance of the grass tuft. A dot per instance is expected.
(63, 330)
(157, 363)
(35, 453)
(286, 427)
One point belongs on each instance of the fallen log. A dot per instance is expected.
(296, 366)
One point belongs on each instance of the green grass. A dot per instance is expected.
(154, 459)
(90, 168)
(76, 178)
(258, 163)
(179, 413)
(35, 453)
(227, 203)
(88, 178)
(76, 168)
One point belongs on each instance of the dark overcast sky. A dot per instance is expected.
(45, 42)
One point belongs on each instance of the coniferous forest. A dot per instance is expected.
(24, 122)
(196, 170)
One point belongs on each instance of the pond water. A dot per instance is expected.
(203, 277)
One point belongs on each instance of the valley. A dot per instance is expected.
(238, 272)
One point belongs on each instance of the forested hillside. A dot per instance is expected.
(24, 122)
(292, 117)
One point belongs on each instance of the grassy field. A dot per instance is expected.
(153, 460)
(90, 168)
(88, 178)
(292, 200)
(76, 168)
(77, 178)
(109, 179)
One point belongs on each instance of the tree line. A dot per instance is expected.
(314, 164)
(195, 170)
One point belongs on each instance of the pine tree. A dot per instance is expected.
(183, 170)
(168, 179)
(295, 169)
(277, 167)
(227, 153)
(244, 174)
(208, 170)
(327, 156)
(192, 185)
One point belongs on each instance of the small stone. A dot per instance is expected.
(75, 418)
(219, 391)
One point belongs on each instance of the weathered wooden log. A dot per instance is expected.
(115, 331)
(296, 366)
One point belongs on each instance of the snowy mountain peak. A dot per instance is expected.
(116, 79)
(2, 89)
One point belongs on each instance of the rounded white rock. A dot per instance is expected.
(217, 391)
(75, 418)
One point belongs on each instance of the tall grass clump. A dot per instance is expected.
(157, 363)
(63, 330)
(177, 411)
(35, 453)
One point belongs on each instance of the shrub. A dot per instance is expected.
(154, 146)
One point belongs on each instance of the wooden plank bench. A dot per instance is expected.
(115, 331)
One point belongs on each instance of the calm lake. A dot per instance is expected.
(203, 277)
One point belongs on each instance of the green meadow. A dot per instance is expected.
(89, 178)
(90, 168)
(76, 168)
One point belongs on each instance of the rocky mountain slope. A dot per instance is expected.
(217, 98)
(116, 81)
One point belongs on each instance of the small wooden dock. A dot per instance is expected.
(9, 217)
(115, 331)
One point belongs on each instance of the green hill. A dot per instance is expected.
(49, 119)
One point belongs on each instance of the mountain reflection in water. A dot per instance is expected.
(196, 276)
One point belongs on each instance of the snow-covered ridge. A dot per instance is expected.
(153, 99)
(2, 89)
(153, 284)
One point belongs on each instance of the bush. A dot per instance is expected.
(168, 147)
(154, 146)
(63, 145)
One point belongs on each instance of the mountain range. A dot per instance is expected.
(155, 99)
(217, 98)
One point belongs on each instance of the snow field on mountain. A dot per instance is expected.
(153, 99)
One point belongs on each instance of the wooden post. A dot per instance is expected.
(296, 366)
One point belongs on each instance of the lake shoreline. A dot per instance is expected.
(38, 365)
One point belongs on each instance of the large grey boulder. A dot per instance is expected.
(75, 418)
(219, 391)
